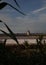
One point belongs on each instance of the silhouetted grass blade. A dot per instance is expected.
(41, 37)
(5, 33)
(16, 3)
(11, 36)
(0, 21)
(2, 5)
(5, 42)
(16, 9)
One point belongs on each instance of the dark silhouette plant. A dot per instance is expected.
(4, 42)
(10, 34)
(9, 58)
(39, 43)
(39, 40)
(17, 3)
(26, 44)
(3, 4)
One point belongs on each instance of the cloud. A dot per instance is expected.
(38, 10)
(34, 23)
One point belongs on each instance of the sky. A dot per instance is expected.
(35, 19)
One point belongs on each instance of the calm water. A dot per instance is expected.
(21, 41)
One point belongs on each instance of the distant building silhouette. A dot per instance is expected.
(28, 32)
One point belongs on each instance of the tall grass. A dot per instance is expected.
(11, 34)
(3, 4)
(10, 58)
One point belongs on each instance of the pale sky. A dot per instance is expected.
(35, 20)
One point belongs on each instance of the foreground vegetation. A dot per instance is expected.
(23, 54)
